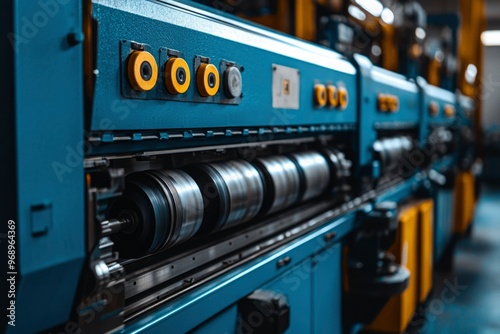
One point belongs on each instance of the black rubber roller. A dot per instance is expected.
(163, 207)
(232, 192)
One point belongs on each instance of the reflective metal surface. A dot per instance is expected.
(391, 150)
(246, 192)
(163, 207)
(186, 204)
(315, 171)
(282, 182)
(221, 254)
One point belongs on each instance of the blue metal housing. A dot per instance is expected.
(49, 136)
(44, 193)
(373, 81)
(159, 26)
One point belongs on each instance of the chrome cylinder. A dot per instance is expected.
(282, 182)
(185, 202)
(233, 193)
(163, 208)
(391, 150)
(314, 173)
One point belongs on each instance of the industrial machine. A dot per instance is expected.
(176, 169)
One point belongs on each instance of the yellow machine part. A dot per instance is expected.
(434, 72)
(470, 51)
(389, 45)
(464, 201)
(399, 310)
(305, 18)
(426, 247)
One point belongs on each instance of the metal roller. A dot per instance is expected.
(314, 173)
(233, 193)
(390, 151)
(162, 207)
(282, 182)
(339, 166)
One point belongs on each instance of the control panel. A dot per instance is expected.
(219, 80)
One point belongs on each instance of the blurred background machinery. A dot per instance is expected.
(231, 166)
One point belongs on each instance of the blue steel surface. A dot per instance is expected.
(48, 128)
(296, 285)
(224, 322)
(161, 25)
(443, 221)
(313, 290)
(442, 97)
(373, 81)
(327, 291)
(200, 305)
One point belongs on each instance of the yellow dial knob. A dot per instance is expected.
(142, 71)
(332, 96)
(449, 111)
(320, 95)
(382, 102)
(207, 80)
(177, 76)
(394, 104)
(433, 109)
(343, 98)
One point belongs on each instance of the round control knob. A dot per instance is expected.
(207, 80)
(332, 96)
(320, 95)
(142, 71)
(177, 76)
(233, 83)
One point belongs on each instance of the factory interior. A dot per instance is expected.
(250, 167)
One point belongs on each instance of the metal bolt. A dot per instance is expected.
(75, 38)
(329, 236)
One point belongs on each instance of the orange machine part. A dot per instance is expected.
(399, 310)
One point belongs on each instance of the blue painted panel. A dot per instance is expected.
(443, 221)
(327, 291)
(373, 81)
(296, 285)
(255, 49)
(50, 183)
(440, 96)
(201, 304)
(224, 322)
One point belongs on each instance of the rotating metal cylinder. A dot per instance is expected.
(314, 173)
(390, 151)
(232, 192)
(281, 181)
(162, 207)
(340, 167)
